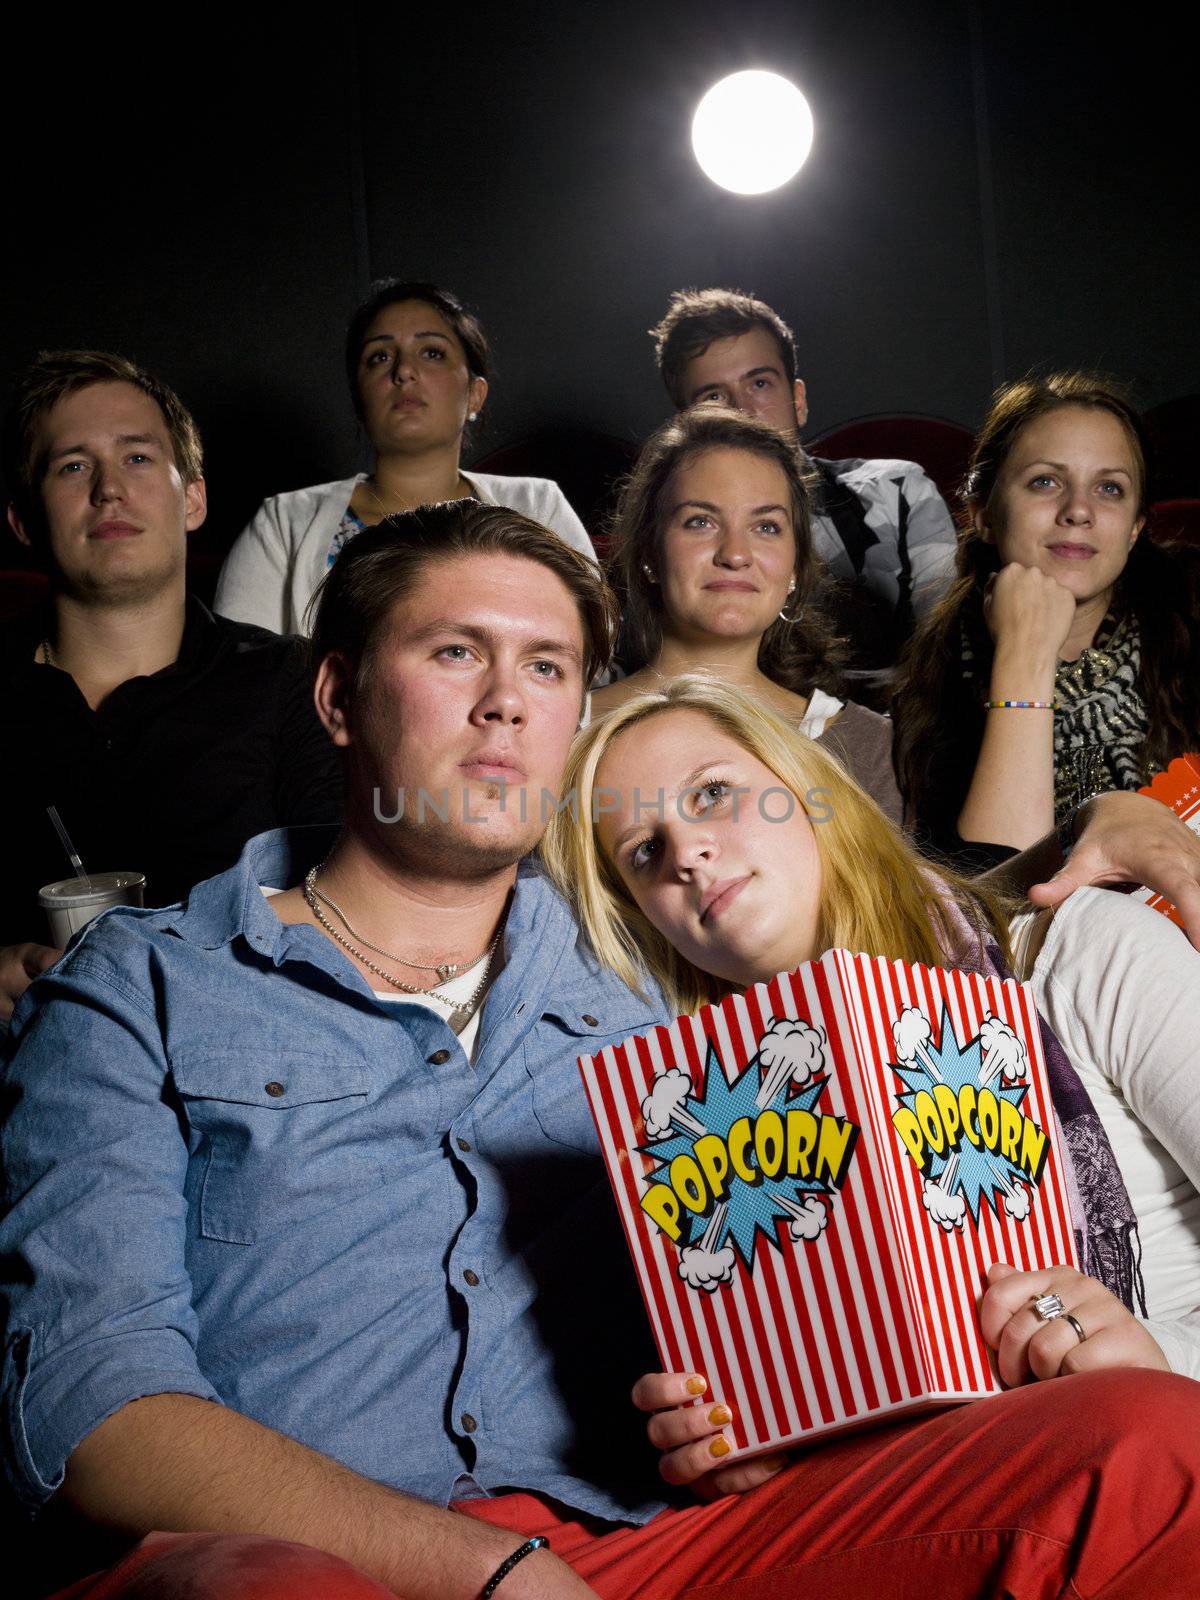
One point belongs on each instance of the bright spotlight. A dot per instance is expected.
(752, 132)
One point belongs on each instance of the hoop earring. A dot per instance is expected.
(795, 616)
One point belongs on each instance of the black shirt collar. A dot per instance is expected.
(201, 638)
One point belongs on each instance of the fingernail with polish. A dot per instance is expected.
(719, 1447)
(720, 1415)
(696, 1384)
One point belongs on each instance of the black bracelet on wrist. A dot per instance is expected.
(505, 1567)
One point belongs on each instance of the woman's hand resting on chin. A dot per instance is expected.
(1028, 615)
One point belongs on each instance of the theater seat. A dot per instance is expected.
(1174, 428)
(20, 591)
(587, 466)
(942, 448)
(1176, 519)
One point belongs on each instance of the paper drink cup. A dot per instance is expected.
(71, 903)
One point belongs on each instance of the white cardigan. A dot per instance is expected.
(1120, 986)
(279, 559)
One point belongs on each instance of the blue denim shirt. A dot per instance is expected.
(234, 1173)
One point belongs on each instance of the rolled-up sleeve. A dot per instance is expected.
(97, 1301)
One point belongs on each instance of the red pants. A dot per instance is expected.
(1086, 1486)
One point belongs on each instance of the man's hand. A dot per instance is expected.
(20, 964)
(1130, 838)
(690, 1437)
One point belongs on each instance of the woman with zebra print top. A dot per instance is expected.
(1063, 661)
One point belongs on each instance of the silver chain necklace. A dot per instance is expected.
(447, 969)
(444, 969)
(369, 485)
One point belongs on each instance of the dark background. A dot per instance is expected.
(992, 187)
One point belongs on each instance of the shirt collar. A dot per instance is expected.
(231, 905)
(201, 633)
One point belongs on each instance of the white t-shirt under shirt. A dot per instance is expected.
(1120, 986)
(822, 708)
(460, 989)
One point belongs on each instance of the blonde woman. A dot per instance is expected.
(727, 847)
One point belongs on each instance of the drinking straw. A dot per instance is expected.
(72, 853)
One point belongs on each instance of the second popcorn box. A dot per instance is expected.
(814, 1178)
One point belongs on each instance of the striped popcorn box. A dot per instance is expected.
(814, 1178)
(1179, 788)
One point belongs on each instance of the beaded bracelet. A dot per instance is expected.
(1020, 705)
(505, 1567)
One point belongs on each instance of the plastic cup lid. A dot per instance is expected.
(68, 892)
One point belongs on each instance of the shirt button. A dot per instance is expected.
(439, 1058)
(463, 1144)
(468, 1422)
(471, 1277)
(591, 1022)
(275, 1089)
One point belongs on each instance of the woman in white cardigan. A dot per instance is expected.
(417, 364)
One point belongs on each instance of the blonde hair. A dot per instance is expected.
(877, 895)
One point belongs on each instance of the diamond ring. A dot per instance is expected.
(1047, 1307)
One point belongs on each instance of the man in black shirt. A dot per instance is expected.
(165, 736)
